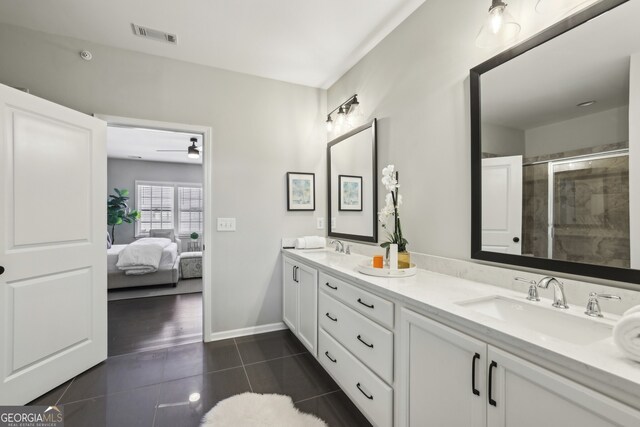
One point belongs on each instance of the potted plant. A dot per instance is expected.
(393, 200)
(118, 211)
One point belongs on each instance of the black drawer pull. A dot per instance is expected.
(493, 365)
(365, 304)
(335, 288)
(473, 374)
(364, 342)
(368, 396)
(326, 353)
(335, 319)
(1, 269)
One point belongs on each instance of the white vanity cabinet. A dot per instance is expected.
(300, 302)
(449, 378)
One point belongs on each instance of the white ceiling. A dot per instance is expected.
(306, 42)
(131, 143)
(544, 85)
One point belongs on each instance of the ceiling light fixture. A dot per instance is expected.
(349, 114)
(586, 103)
(192, 151)
(499, 28)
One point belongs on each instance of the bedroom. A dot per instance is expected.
(154, 182)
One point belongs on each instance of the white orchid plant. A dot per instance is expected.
(393, 201)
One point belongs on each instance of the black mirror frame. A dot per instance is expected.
(356, 237)
(589, 270)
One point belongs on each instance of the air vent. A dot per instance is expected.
(150, 33)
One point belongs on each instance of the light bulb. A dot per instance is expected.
(496, 19)
(355, 116)
(329, 123)
(499, 28)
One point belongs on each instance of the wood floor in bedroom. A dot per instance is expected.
(144, 324)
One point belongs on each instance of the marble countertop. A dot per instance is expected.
(599, 365)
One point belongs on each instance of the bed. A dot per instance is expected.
(168, 270)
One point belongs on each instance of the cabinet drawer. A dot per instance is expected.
(368, 392)
(372, 306)
(368, 341)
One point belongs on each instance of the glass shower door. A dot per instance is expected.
(590, 210)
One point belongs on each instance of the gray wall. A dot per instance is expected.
(261, 129)
(123, 173)
(416, 83)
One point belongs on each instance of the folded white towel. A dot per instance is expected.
(632, 310)
(310, 242)
(626, 335)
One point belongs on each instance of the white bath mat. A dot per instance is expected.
(259, 410)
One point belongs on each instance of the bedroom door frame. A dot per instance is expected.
(207, 181)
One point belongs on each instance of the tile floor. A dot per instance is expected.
(152, 388)
(144, 324)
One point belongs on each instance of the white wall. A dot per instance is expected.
(261, 129)
(591, 130)
(416, 83)
(123, 173)
(502, 140)
(634, 159)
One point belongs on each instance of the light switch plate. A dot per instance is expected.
(226, 224)
(320, 223)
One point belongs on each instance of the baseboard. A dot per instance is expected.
(217, 336)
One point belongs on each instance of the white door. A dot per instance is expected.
(308, 307)
(290, 295)
(442, 375)
(526, 395)
(53, 292)
(502, 204)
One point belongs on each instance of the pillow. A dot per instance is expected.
(167, 234)
(108, 240)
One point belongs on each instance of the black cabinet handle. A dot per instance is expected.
(295, 274)
(335, 288)
(326, 353)
(368, 396)
(364, 342)
(473, 374)
(365, 304)
(516, 239)
(1, 269)
(493, 365)
(335, 319)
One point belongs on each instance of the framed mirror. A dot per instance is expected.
(352, 173)
(556, 148)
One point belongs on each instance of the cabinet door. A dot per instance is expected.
(442, 375)
(308, 307)
(526, 395)
(289, 295)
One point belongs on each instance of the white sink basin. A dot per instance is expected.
(545, 321)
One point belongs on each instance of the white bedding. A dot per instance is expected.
(143, 256)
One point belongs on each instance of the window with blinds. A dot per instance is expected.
(189, 210)
(156, 206)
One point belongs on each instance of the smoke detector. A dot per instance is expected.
(150, 33)
(86, 55)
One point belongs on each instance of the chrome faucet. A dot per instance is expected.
(593, 306)
(339, 246)
(559, 300)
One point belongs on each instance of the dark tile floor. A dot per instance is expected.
(152, 388)
(143, 324)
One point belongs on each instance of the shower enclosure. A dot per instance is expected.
(577, 209)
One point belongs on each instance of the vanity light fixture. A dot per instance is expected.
(499, 28)
(349, 114)
(551, 7)
(192, 151)
(586, 103)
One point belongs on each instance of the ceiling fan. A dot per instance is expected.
(193, 151)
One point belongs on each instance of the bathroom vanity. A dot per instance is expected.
(439, 350)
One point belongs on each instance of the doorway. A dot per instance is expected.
(168, 193)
